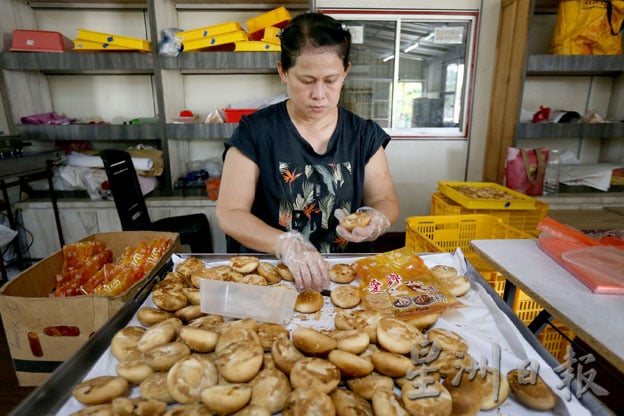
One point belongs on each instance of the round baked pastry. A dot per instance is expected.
(430, 405)
(270, 389)
(423, 321)
(172, 281)
(367, 320)
(355, 219)
(443, 271)
(366, 386)
(341, 273)
(456, 285)
(211, 322)
(385, 402)
(346, 296)
(348, 403)
(317, 373)
(124, 343)
(197, 339)
(189, 312)
(226, 399)
(268, 332)
(353, 340)
(190, 265)
(309, 301)
(447, 339)
(391, 364)
(285, 273)
(135, 371)
(189, 376)
(233, 334)
(312, 342)
(100, 390)
(531, 390)
(252, 410)
(138, 406)
(309, 401)
(493, 394)
(350, 365)
(149, 316)
(158, 334)
(196, 277)
(193, 295)
(466, 393)
(285, 354)
(396, 336)
(221, 270)
(162, 357)
(244, 264)
(105, 409)
(240, 361)
(155, 387)
(253, 279)
(269, 272)
(449, 363)
(169, 299)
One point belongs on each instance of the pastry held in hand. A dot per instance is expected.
(366, 224)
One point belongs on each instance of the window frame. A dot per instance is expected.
(397, 16)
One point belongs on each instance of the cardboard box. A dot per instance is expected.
(44, 331)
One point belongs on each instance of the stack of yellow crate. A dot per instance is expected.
(262, 34)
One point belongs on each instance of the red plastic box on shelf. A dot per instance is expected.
(233, 115)
(40, 41)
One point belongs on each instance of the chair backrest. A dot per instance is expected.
(126, 190)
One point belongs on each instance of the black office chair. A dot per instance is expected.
(194, 229)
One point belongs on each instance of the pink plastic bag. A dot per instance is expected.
(47, 118)
(524, 170)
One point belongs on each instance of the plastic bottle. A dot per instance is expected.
(551, 175)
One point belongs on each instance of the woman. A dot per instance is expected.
(294, 169)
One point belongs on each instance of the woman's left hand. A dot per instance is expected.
(377, 226)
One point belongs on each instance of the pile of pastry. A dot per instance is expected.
(181, 361)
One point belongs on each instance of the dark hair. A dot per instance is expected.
(310, 31)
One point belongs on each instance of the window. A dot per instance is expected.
(411, 71)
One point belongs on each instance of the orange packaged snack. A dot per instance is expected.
(399, 284)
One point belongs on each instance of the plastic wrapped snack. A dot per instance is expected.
(399, 284)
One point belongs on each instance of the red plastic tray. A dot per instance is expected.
(40, 41)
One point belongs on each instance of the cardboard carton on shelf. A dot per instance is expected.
(44, 331)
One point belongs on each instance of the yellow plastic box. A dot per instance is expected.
(514, 201)
(209, 31)
(87, 45)
(256, 46)
(271, 35)
(116, 40)
(524, 220)
(215, 41)
(278, 17)
(445, 233)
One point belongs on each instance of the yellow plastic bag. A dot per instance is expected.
(588, 27)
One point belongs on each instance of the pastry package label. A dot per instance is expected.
(398, 283)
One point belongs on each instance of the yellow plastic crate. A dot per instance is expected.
(209, 31)
(256, 46)
(525, 307)
(515, 200)
(524, 220)
(496, 280)
(278, 17)
(445, 233)
(271, 35)
(87, 45)
(214, 41)
(556, 341)
(116, 40)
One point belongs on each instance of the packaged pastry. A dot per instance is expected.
(398, 283)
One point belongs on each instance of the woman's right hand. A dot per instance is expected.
(303, 260)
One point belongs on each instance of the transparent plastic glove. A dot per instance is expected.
(304, 261)
(377, 226)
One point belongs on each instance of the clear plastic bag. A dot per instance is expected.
(170, 44)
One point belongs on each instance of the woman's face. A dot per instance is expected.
(314, 83)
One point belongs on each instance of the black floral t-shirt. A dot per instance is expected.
(299, 189)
